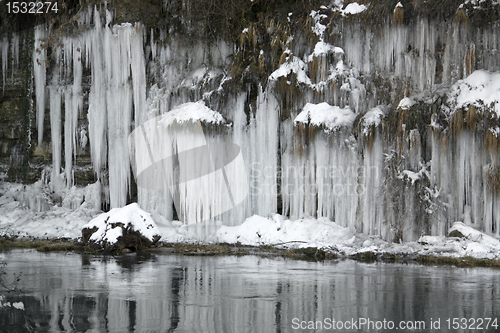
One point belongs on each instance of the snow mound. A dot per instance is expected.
(258, 230)
(111, 227)
(192, 112)
(353, 8)
(481, 88)
(476, 236)
(324, 114)
(463, 241)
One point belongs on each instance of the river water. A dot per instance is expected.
(167, 293)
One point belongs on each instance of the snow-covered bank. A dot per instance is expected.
(60, 222)
(30, 211)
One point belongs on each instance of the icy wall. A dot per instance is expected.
(370, 125)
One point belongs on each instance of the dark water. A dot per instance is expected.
(160, 293)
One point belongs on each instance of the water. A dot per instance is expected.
(168, 293)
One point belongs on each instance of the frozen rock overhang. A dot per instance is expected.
(192, 112)
(481, 89)
(324, 115)
(372, 118)
(124, 227)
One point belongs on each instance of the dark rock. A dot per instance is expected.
(456, 233)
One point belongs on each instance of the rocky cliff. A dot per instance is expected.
(381, 115)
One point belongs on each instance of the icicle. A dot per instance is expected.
(119, 101)
(70, 121)
(39, 58)
(55, 129)
(4, 46)
(259, 144)
(138, 75)
(97, 115)
(15, 50)
(153, 46)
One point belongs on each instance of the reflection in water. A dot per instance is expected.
(133, 293)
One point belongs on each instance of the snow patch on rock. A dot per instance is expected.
(109, 227)
(481, 89)
(193, 112)
(326, 115)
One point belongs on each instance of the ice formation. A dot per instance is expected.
(403, 154)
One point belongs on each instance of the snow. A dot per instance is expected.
(481, 88)
(353, 8)
(132, 216)
(318, 28)
(476, 236)
(15, 305)
(414, 176)
(18, 305)
(326, 115)
(18, 220)
(495, 131)
(322, 48)
(372, 118)
(406, 103)
(257, 230)
(477, 3)
(295, 65)
(192, 112)
(28, 210)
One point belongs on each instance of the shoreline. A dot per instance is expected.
(225, 249)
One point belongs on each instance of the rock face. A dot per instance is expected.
(128, 228)
(415, 158)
